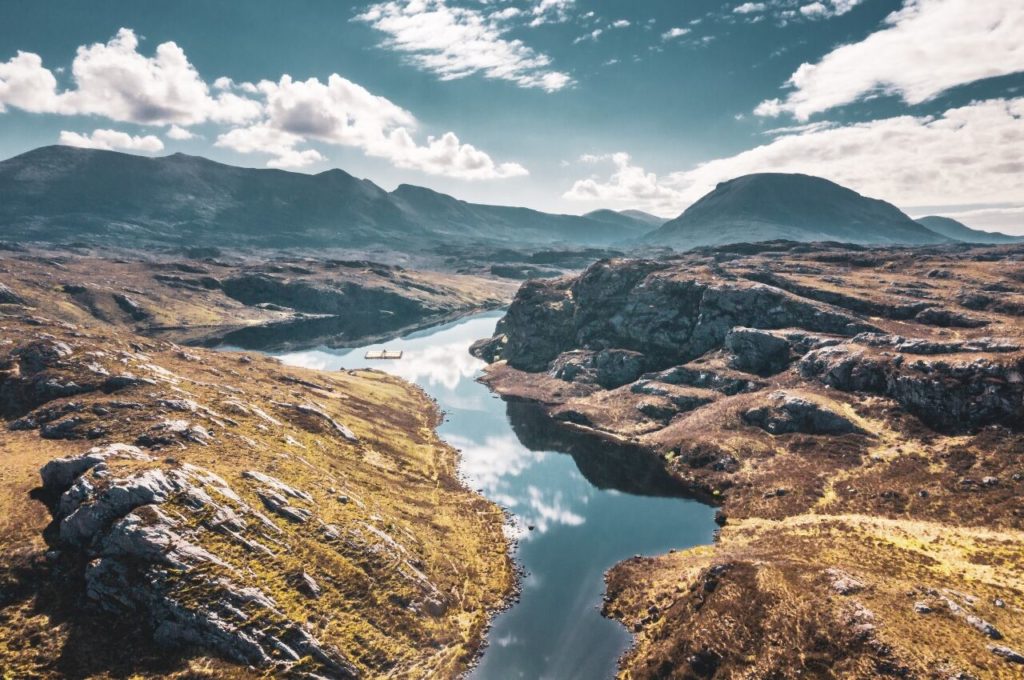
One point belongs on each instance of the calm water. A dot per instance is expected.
(586, 516)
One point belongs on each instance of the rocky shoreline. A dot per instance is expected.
(855, 413)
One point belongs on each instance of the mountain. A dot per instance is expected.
(768, 206)
(958, 231)
(633, 220)
(652, 220)
(59, 193)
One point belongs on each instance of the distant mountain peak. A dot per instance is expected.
(958, 231)
(793, 206)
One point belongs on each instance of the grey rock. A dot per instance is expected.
(1010, 655)
(786, 413)
(757, 351)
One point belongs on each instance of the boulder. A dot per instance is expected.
(757, 351)
(786, 413)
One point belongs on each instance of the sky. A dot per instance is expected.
(559, 105)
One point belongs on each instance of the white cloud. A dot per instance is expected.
(456, 42)
(593, 35)
(551, 11)
(629, 185)
(344, 113)
(925, 48)
(113, 80)
(673, 33)
(27, 85)
(179, 133)
(815, 9)
(621, 23)
(967, 155)
(110, 140)
(749, 8)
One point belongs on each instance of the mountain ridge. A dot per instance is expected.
(950, 228)
(60, 192)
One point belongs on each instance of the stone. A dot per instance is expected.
(842, 582)
(983, 627)
(786, 413)
(757, 351)
(1010, 655)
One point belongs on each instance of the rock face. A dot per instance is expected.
(143, 559)
(670, 318)
(957, 393)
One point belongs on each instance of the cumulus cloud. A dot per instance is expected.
(628, 185)
(456, 42)
(179, 133)
(925, 48)
(749, 8)
(551, 11)
(967, 155)
(115, 81)
(111, 140)
(344, 113)
(674, 33)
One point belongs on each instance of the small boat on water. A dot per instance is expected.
(383, 354)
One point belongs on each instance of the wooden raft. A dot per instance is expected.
(383, 354)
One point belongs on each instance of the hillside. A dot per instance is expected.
(769, 206)
(63, 193)
(958, 231)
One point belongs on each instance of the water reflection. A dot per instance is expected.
(576, 515)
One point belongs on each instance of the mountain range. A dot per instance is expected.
(64, 193)
(61, 193)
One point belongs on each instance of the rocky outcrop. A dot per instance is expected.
(950, 394)
(757, 351)
(609, 368)
(786, 413)
(138, 530)
(633, 305)
(9, 297)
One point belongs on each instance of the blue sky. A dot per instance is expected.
(562, 105)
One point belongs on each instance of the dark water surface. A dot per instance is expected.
(586, 516)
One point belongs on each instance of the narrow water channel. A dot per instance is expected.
(573, 520)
